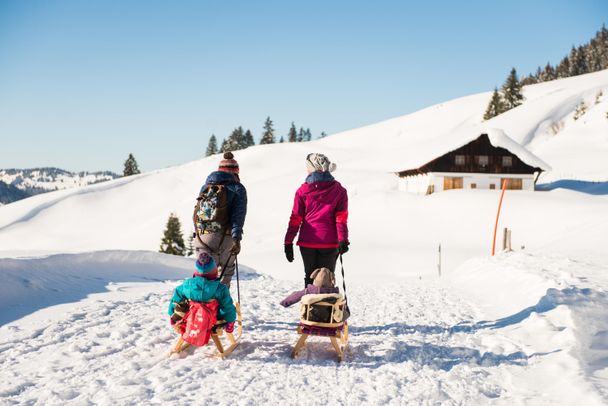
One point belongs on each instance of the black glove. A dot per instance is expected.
(343, 247)
(236, 247)
(289, 252)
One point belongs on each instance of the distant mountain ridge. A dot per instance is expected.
(17, 184)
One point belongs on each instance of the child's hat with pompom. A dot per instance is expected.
(205, 263)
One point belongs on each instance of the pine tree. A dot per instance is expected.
(531, 79)
(248, 139)
(130, 166)
(224, 146)
(212, 146)
(173, 240)
(292, 136)
(511, 91)
(235, 141)
(281, 140)
(239, 138)
(307, 135)
(577, 61)
(268, 134)
(563, 68)
(300, 136)
(547, 74)
(495, 107)
(323, 134)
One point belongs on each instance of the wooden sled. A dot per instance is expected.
(223, 349)
(336, 331)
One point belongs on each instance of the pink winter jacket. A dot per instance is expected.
(320, 213)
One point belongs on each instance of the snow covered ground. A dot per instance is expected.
(84, 297)
(506, 330)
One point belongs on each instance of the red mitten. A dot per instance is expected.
(229, 327)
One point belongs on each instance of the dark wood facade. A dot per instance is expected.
(478, 156)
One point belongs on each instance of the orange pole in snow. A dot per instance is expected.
(504, 186)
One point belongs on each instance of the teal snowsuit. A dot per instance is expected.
(203, 290)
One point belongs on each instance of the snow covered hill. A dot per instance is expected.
(41, 180)
(528, 327)
(131, 213)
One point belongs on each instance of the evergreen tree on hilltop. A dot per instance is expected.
(224, 146)
(511, 91)
(577, 63)
(292, 136)
(300, 136)
(248, 139)
(173, 240)
(323, 134)
(238, 136)
(602, 47)
(563, 68)
(131, 167)
(235, 141)
(268, 134)
(495, 107)
(547, 74)
(307, 135)
(282, 140)
(212, 146)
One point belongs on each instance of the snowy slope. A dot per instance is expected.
(523, 328)
(131, 213)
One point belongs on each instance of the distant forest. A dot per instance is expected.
(586, 58)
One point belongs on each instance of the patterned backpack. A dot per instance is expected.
(211, 210)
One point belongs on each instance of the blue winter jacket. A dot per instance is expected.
(202, 290)
(237, 199)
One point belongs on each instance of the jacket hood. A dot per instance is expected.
(319, 176)
(220, 177)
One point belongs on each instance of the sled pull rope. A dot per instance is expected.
(225, 266)
(343, 279)
(238, 288)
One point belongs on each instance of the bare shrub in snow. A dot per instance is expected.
(581, 109)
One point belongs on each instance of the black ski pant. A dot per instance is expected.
(317, 258)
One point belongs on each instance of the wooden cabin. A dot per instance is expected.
(482, 163)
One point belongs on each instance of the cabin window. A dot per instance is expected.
(473, 185)
(507, 161)
(492, 186)
(450, 182)
(483, 160)
(459, 160)
(513, 184)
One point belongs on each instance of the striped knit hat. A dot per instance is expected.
(229, 164)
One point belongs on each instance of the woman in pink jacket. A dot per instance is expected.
(320, 214)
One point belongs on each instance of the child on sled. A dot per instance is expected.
(323, 282)
(203, 287)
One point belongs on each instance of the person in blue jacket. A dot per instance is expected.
(223, 242)
(204, 287)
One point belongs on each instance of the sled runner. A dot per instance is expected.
(224, 349)
(322, 315)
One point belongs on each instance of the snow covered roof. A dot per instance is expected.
(439, 146)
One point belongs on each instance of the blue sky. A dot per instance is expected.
(85, 83)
